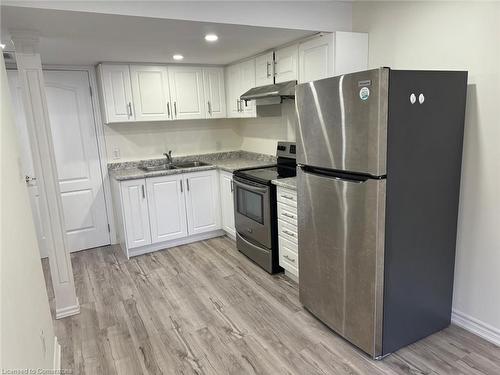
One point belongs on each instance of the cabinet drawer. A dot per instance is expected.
(287, 196)
(287, 213)
(288, 231)
(288, 257)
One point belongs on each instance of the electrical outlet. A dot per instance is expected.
(116, 153)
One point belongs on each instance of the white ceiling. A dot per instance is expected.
(87, 38)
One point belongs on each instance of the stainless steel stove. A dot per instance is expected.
(255, 208)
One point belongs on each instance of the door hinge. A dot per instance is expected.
(109, 228)
(90, 89)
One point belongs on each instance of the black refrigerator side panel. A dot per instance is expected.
(424, 158)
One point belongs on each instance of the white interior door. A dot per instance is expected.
(186, 89)
(40, 211)
(151, 93)
(77, 158)
(167, 209)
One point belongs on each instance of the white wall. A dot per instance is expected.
(305, 15)
(183, 137)
(464, 36)
(261, 134)
(27, 335)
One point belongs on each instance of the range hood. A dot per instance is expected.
(271, 94)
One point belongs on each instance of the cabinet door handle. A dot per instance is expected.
(288, 215)
(238, 105)
(232, 186)
(168, 109)
(290, 259)
(143, 192)
(287, 197)
(175, 109)
(289, 233)
(182, 189)
(187, 183)
(129, 109)
(268, 73)
(209, 108)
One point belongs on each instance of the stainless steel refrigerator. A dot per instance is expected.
(379, 159)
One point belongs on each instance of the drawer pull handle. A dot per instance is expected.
(288, 215)
(289, 233)
(290, 259)
(287, 197)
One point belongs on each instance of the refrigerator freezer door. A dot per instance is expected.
(341, 259)
(342, 122)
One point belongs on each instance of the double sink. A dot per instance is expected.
(168, 166)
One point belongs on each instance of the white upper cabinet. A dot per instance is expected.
(316, 58)
(186, 91)
(247, 83)
(239, 79)
(264, 69)
(215, 96)
(151, 92)
(167, 210)
(116, 93)
(202, 202)
(286, 64)
(332, 55)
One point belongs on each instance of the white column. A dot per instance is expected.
(37, 119)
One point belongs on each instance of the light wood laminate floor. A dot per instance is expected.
(204, 308)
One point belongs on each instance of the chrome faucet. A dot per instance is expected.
(168, 156)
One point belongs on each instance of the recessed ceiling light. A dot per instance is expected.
(211, 37)
(178, 57)
(2, 45)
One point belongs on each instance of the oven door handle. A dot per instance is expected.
(250, 187)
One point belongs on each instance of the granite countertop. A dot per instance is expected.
(289, 182)
(227, 161)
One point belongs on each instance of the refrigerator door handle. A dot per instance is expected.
(338, 175)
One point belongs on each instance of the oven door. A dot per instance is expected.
(252, 211)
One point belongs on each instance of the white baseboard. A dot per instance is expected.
(476, 326)
(68, 311)
(57, 357)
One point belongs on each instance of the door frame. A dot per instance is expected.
(101, 142)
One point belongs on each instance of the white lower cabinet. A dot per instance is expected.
(227, 203)
(167, 210)
(160, 212)
(287, 231)
(202, 202)
(135, 213)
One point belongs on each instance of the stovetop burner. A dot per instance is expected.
(285, 167)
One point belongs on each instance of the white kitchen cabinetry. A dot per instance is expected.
(167, 210)
(160, 212)
(215, 96)
(186, 91)
(151, 92)
(264, 69)
(116, 93)
(202, 202)
(286, 64)
(239, 79)
(135, 213)
(227, 203)
(287, 231)
(331, 55)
